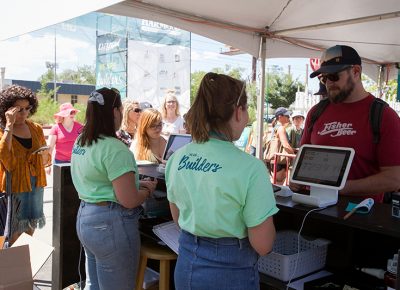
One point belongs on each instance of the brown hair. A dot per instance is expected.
(170, 93)
(216, 100)
(13, 93)
(148, 118)
(99, 121)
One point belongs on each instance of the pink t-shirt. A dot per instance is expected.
(347, 125)
(65, 140)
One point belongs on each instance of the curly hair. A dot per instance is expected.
(13, 93)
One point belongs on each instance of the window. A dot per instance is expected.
(74, 99)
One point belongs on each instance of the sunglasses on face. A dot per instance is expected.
(72, 113)
(332, 77)
(27, 109)
(137, 110)
(156, 126)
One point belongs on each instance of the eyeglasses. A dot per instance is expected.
(156, 126)
(27, 109)
(332, 77)
(171, 102)
(72, 113)
(137, 110)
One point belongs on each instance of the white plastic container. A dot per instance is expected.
(281, 262)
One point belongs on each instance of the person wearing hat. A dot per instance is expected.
(282, 131)
(63, 134)
(322, 90)
(296, 130)
(345, 122)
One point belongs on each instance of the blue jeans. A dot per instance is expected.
(220, 264)
(110, 236)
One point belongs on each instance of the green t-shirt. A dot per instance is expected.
(94, 168)
(219, 190)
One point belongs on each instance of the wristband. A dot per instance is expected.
(6, 129)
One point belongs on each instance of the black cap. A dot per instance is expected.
(336, 59)
(322, 90)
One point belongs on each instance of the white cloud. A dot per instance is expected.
(25, 57)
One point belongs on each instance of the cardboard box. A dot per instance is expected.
(20, 263)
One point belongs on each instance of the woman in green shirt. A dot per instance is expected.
(220, 196)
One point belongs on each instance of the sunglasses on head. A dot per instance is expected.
(27, 109)
(137, 110)
(334, 77)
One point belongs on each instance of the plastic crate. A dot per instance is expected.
(281, 262)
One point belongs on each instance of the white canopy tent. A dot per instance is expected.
(262, 28)
(285, 28)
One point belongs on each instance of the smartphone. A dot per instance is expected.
(41, 149)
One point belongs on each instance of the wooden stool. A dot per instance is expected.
(155, 252)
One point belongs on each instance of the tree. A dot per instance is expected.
(281, 90)
(197, 76)
(389, 88)
(46, 78)
(81, 75)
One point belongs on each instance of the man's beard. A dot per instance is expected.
(343, 93)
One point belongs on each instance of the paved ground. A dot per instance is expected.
(45, 234)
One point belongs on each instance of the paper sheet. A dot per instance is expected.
(169, 233)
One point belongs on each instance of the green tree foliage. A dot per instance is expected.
(46, 109)
(390, 88)
(81, 75)
(281, 90)
(197, 76)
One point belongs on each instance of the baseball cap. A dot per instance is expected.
(297, 114)
(145, 105)
(282, 111)
(336, 59)
(322, 90)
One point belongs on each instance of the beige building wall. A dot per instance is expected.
(67, 98)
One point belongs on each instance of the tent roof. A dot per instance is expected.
(294, 28)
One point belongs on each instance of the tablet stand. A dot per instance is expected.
(319, 197)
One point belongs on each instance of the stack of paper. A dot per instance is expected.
(169, 233)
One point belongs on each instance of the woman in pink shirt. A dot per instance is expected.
(63, 134)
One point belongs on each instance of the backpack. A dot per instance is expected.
(375, 116)
(375, 119)
(272, 146)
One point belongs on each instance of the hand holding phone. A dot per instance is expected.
(41, 149)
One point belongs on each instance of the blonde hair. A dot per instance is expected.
(171, 94)
(128, 106)
(148, 118)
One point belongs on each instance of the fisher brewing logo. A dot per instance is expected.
(336, 129)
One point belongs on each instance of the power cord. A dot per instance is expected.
(298, 243)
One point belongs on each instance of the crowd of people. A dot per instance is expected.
(220, 196)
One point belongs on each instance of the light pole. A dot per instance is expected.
(53, 66)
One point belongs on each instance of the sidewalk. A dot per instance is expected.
(43, 277)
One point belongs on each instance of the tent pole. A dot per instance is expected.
(260, 101)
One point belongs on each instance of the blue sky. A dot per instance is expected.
(24, 57)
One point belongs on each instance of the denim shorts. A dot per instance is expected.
(223, 264)
(110, 236)
(30, 215)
